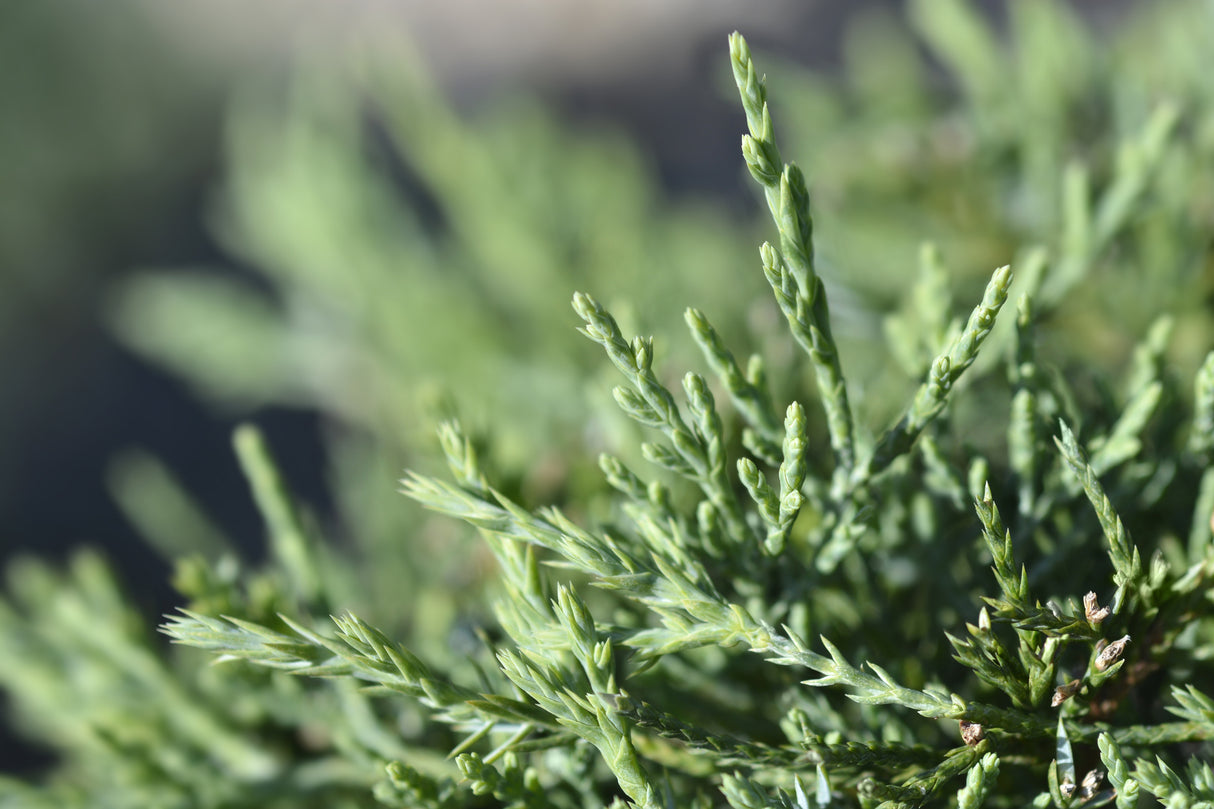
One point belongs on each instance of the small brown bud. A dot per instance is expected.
(1091, 783)
(1067, 789)
(1093, 611)
(1064, 692)
(1111, 653)
(971, 732)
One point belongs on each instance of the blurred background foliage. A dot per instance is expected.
(381, 250)
(92, 99)
(403, 254)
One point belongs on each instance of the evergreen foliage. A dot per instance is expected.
(790, 603)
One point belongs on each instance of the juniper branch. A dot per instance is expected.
(406, 787)
(779, 510)
(979, 782)
(1160, 780)
(733, 751)
(1127, 563)
(744, 793)
(510, 785)
(1156, 735)
(888, 756)
(575, 701)
(791, 272)
(932, 395)
(985, 655)
(358, 650)
(1015, 588)
(726, 749)
(922, 786)
(1118, 772)
(1026, 426)
(695, 453)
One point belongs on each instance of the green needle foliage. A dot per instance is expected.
(802, 599)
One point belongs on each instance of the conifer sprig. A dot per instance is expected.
(850, 516)
(979, 782)
(745, 793)
(1127, 562)
(779, 509)
(1195, 788)
(724, 748)
(1014, 587)
(922, 786)
(696, 452)
(1025, 429)
(577, 703)
(790, 271)
(358, 650)
(509, 784)
(948, 366)
(1125, 787)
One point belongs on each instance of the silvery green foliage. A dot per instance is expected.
(786, 603)
(714, 593)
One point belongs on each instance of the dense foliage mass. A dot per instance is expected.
(807, 585)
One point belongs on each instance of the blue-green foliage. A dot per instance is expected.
(812, 581)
